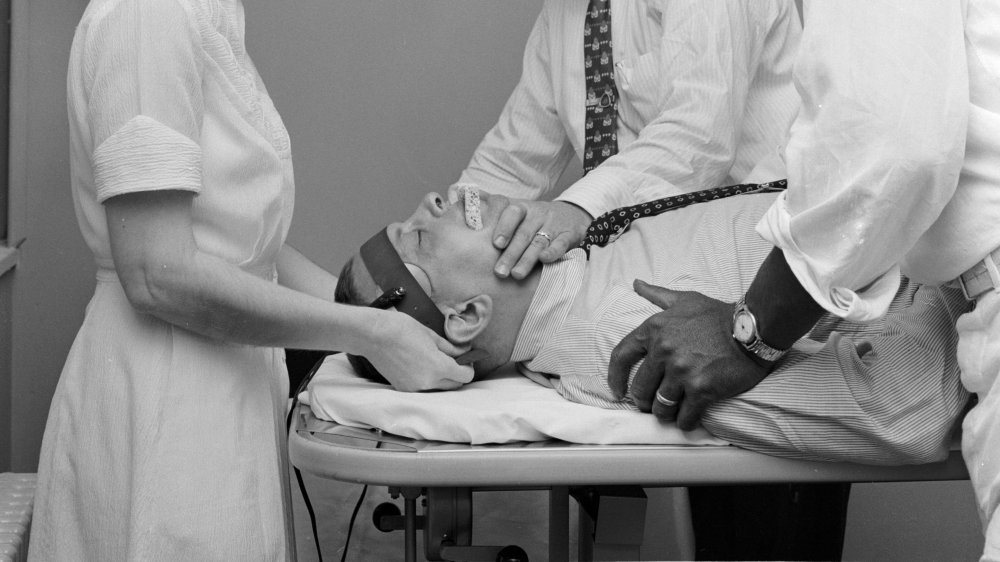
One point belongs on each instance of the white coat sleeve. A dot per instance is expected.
(875, 152)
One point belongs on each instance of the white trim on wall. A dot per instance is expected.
(15, 190)
(8, 259)
(17, 141)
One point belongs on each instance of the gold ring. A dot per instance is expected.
(665, 401)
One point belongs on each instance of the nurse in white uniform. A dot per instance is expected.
(165, 436)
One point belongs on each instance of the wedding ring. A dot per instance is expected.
(665, 401)
(545, 235)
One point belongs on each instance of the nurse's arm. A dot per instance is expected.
(298, 272)
(167, 276)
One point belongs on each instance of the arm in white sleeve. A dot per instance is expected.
(875, 152)
(527, 150)
(709, 53)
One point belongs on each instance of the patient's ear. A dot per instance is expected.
(465, 320)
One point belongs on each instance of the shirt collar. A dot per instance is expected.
(558, 286)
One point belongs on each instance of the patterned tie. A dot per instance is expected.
(609, 226)
(601, 133)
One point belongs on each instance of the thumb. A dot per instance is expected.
(660, 296)
(460, 375)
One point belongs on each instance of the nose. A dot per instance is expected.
(436, 204)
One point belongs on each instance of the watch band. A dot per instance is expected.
(755, 345)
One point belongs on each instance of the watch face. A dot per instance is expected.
(743, 326)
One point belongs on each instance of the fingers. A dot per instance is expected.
(631, 349)
(518, 243)
(562, 244)
(652, 390)
(461, 377)
(415, 344)
(569, 225)
(443, 373)
(690, 412)
(455, 373)
(510, 219)
(539, 242)
(646, 382)
(660, 296)
(448, 385)
(667, 400)
(533, 231)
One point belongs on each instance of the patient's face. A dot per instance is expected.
(449, 260)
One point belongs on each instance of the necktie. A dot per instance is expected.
(601, 128)
(609, 226)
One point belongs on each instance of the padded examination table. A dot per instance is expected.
(348, 454)
(447, 473)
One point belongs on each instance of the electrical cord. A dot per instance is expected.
(387, 299)
(354, 515)
(350, 525)
(298, 473)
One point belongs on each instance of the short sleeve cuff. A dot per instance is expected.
(145, 155)
(819, 279)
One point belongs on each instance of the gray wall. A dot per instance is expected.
(6, 397)
(54, 276)
(384, 101)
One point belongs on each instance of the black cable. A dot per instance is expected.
(350, 525)
(354, 515)
(387, 299)
(298, 474)
(312, 514)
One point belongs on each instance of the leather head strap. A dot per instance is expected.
(388, 270)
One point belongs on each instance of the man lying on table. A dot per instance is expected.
(895, 401)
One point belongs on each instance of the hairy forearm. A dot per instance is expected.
(298, 272)
(166, 274)
(211, 297)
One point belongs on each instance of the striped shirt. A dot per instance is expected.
(704, 90)
(885, 392)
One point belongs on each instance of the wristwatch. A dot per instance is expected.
(745, 332)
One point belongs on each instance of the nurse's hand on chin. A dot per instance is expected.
(412, 357)
(529, 232)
